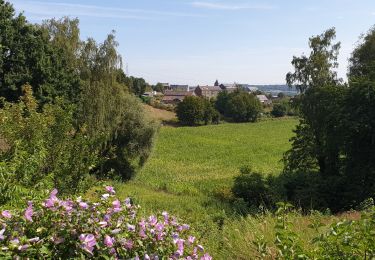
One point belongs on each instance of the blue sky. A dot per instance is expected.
(195, 42)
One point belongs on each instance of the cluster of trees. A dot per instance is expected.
(238, 106)
(67, 108)
(331, 163)
(196, 110)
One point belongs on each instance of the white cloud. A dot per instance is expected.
(230, 6)
(53, 9)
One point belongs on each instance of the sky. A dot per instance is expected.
(198, 41)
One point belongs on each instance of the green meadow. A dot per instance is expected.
(190, 166)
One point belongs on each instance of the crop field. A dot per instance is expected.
(190, 165)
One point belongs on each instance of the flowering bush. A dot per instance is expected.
(108, 228)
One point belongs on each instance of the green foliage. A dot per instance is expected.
(27, 56)
(254, 188)
(194, 110)
(243, 107)
(45, 149)
(279, 110)
(97, 229)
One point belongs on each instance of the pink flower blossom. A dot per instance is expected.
(108, 241)
(206, 257)
(83, 205)
(128, 244)
(88, 242)
(29, 212)
(131, 227)
(116, 204)
(34, 240)
(6, 214)
(191, 239)
(127, 203)
(152, 220)
(110, 189)
(23, 248)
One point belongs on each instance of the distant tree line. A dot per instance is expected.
(68, 111)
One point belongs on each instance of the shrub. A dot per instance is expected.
(45, 150)
(107, 228)
(279, 110)
(255, 188)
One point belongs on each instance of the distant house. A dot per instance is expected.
(207, 91)
(229, 87)
(175, 97)
(264, 100)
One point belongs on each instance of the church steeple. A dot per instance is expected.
(216, 83)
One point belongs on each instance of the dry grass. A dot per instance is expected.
(159, 114)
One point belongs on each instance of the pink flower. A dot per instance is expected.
(108, 241)
(201, 248)
(206, 257)
(127, 203)
(83, 205)
(128, 244)
(29, 212)
(159, 227)
(6, 214)
(152, 220)
(88, 242)
(131, 227)
(116, 204)
(146, 257)
(110, 189)
(166, 216)
(23, 248)
(191, 239)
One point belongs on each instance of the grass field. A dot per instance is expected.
(189, 165)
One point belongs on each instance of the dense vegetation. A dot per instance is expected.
(67, 114)
(70, 116)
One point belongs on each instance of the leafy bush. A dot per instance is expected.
(279, 110)
(107, 228)
(45, 150)
(255, 188)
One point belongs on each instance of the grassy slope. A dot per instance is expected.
(189, 165)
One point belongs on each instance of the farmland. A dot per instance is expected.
(189, 167)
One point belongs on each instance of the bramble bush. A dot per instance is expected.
(104, 229)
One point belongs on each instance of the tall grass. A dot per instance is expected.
(189, 165)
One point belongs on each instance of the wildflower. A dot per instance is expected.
(88, 242)
(131, 227)
(191, 239)
(128, 244)
(34, 240)
(108, 241)
(2, 234)
(180, 246)
(29, 212)
(83, 205)
(127, 203)
(152, 220)
(23, 248)
(200, 248)
(110, 189)
(116, 231)
(116, 206)
(105, 196)
(6, 214)
(103, 224)
(146, 257)
(166, 216)
(159, 227)
(15, 241)
(206, 257)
